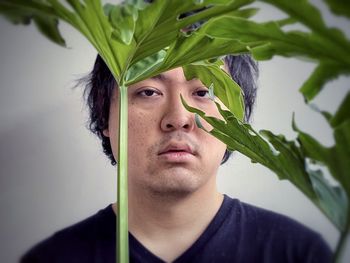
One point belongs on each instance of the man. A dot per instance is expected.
(176, 213)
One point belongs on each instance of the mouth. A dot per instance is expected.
(177, 153)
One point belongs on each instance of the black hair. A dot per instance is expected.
(100, 84)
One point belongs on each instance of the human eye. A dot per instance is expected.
(202, 93)
(148, 92)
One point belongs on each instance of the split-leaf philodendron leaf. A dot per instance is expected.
(212, 74)
(138, 40)
(328, 46)
(339, 7)
(286, 158)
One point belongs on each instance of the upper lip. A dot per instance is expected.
(177, 147)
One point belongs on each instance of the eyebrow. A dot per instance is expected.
(163, 77)
(159, 77)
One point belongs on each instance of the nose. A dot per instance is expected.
(176, 117)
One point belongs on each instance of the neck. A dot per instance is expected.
(168, 225)
(158, 213)
(163, 222)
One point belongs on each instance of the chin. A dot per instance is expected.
(175, 186)
(173, 193)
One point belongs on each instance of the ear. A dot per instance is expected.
(106, 132)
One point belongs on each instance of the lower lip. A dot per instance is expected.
(176, 157)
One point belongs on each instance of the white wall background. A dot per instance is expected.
(53, 172)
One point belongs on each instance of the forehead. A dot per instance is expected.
(174, 77)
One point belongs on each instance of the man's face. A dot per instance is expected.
(168, 153)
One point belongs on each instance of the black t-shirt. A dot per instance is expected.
(239, 232)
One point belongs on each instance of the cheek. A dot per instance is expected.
(212, 111)
(141, 127)
(217, 147)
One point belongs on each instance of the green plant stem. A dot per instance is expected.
(122, 191)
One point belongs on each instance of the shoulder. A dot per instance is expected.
(273, 223)
(265, 220)
(77, 240)
(275, 233)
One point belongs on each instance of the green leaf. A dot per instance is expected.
(49, 27)
(339, 164)
(123, 19)
(244, 12)
(181, 52)
(265, 40)
(44, 17)
(164, 27)
(339, 7)
(332, 198)
(310, 16)
(323, 73)
(263, 52)
(292, 43)
(211, 92)
(143, 68)
(311, 147)
(286, 159)
(336, 158)
(198, 121)
(197, 2)
(225, 88)
(241, 137)
(139, 4)
(343, 113)
(14, 15)
(286, 21)
(302, 10)
(253, 35)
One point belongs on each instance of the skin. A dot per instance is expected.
(172, 163)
